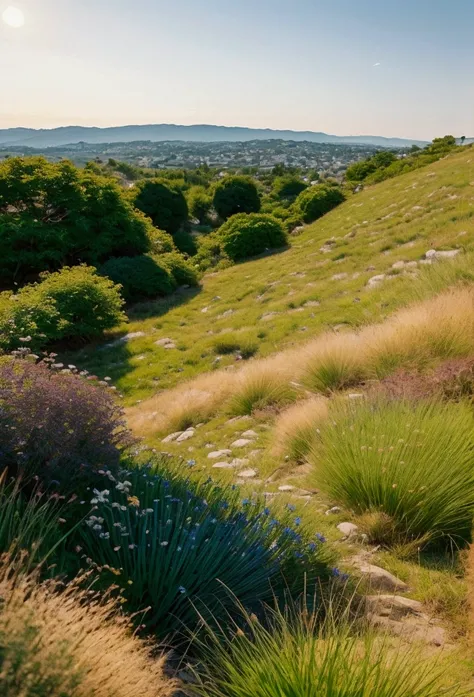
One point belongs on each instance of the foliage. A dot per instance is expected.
(160, 242)
(236, 194)
(162, 201)
(140, 277)
(183, 545)
(393, 457)
(67, 642)
(318, 200)
(185, 242)
(260, 389)
(53, 214)
(199, 203)
(181, 270)
(56, 425)
(288, 187)
(71, 303)
(246, 235)
(294, 657)
(211, 254)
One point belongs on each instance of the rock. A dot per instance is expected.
(312, 303)
(333, 510)
(238, 418)
(268, 316)
(248, 474)
(204, 310)
(250, 434)
(355, 395)
(413, 628)
(241, 443)
(347, 529)
(338, 277)
(398, 265)
(227, 313)
(219, 453)
(380, 579)
(223, 466)
(171, 345)
(434, 254)
(239, 462)
(126, 338)
(286, 487)
(375, 280)
(186, 435)
(255, 453)
(393, 606)
(164, 342)
(172, 437)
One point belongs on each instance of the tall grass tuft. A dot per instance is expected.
(410, 461)
(260, 389)
(293, 658)
(66, 642)
(295, 428)
(336, 362)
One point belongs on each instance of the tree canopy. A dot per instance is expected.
(161, 201)
(236, 194)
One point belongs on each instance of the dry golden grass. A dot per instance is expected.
(294, 429)
(57, 642)
(417, 337)
(470, 590)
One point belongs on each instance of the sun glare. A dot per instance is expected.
(14, 17)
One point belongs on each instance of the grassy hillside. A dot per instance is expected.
(322, 282)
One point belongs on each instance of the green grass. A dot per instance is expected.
(429, 208)
(411, 461)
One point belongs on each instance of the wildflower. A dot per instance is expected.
(291, 507)
(320, 537)
(164, 543)
(132, 546)
(100, 496)
(182, 589)
(266, 511)
(245, 502)
(312, 546)
(133, 501)
(298, 521)
(191, 463)
(105, 535)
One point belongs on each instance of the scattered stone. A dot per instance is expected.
(219, 453)
(398, 265)
(255, 453)
(239, 462)
(376, 280)
(238, 418)
(227, 313)
(248, 474)
(413, 628)
(312, 303)
(333, 510)
(286, 487)
(434, 254)
(268, 316)
(172, 437)
(186, 435)
(126, 338)
(394, 606)
(348, 529)
(223, 466)
(241, 443)
(380, 579)
(250, 434)
(355, 395)
(204, 310)
(338, 277)
(164, 342)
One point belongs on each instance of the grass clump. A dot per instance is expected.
(68, 642)
(294, 657)
(410, 461)
(335, 363)
(260, 389)
(295, 428)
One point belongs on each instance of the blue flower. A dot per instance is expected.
(291, 507)
(320, 537)
(191, 463)
(266, 511)
(245, 502)
(312, 546)
(298, 521)
(182, 589)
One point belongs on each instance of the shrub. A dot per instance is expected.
(160, 242)
(242, 346)
(59, 642)
(140, 277)
(294, 657)
(318, 200)
(185, 242)
(183, 273)
(53, 214)
(245, 235)
(411, 461)
(72, 303)
(199, 203)
(187, 546)
(288, 187)
(235, 194)
(57, 426)
(161, 201)
(211, 254)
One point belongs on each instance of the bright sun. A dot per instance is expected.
(14, 17)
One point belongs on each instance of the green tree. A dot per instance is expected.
(288, 187)
(318, 200)
(199, 203)
(235, 194)
(161, 201)
(53, 214)
(245, 235)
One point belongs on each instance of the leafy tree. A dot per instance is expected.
(245, 235)
(236, 194)
(199, 203)
(53, 214)
(288, 187)
(318, 200)
(140, 277)
(161, 201)
(383, 158)
(360, 170)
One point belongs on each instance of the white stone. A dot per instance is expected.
(333, 510)
(186, 435)
(380, 579)
(398, 265)
(286, 487)
(223, 466)
(250, 434)
(239, 462)
(172, 437)
(164, 342)
(355, 395)
(248, 474)
(241, 443)
(375, 280)
(347, 529)
(219, 453)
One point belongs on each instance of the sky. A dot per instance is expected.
(348, 67)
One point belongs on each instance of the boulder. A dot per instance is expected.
(347, 529)
(376, 280)
(219, 453)
(378, 578)
(394, 606)
(186, 435)
(223, 466)
(172, 437)
(248, 474)
(334, 510)
(250, 434)
(241, 443)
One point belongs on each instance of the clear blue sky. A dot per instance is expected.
(386, 67)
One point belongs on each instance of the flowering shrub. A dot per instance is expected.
(179, 547)
(55, 424)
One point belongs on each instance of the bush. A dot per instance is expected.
(211, 254)
(199, 203)
(57, 426)
(72, 303)
(318, 200)
(288, 188)
(53, 214)
(245, 235)
(161, 201)
(161, 242)
(411, 461)
(236, 195)
(67, 642)
(292, 656)
(185, 242)
(140, 277)
(184, 546)
(183, 273)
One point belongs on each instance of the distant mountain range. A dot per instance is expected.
(68, 135)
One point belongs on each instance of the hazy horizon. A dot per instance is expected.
(383, 69)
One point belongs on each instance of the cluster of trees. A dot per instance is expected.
(386, 164)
